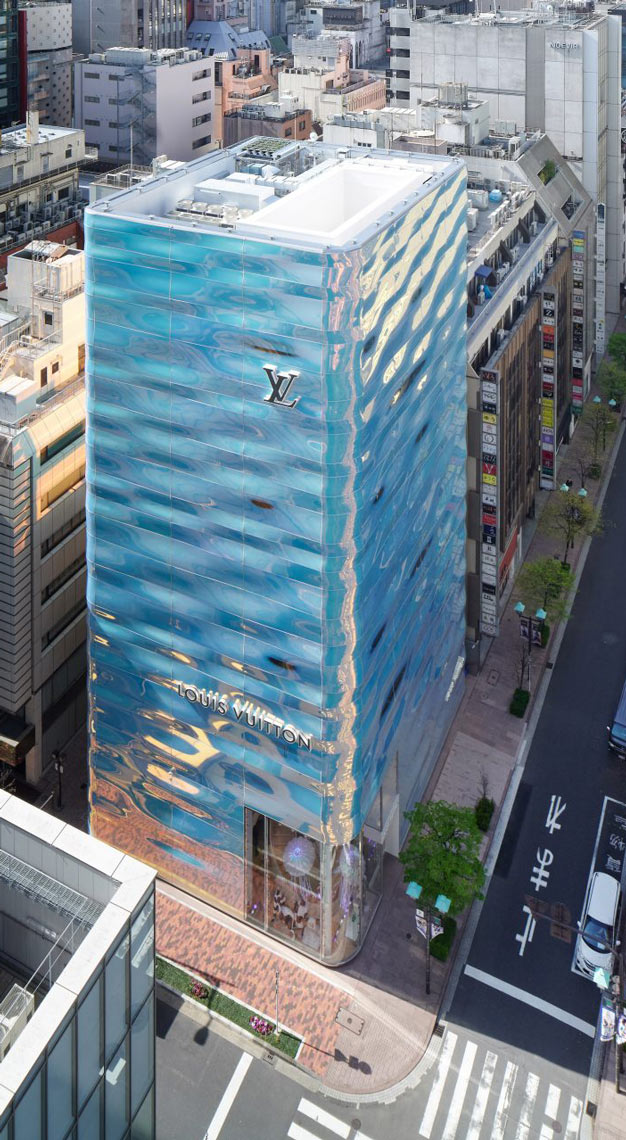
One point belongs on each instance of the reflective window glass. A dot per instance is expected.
(28, 1112)
(143, 1124)
(141, 956)
(89, 1120)
(60, 1071)
(89, 1049)
(142, 1054)
(116, 998)
(115, 1095)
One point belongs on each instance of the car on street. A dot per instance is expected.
(599, 925)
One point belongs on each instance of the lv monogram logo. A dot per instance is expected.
(281, 383)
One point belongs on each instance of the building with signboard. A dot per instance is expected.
(519, 378)
(277, 476)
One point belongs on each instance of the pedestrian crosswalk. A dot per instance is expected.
(316, 1123)
(477, 1095)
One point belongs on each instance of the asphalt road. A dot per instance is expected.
(516, 1055)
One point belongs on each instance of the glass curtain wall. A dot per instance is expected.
(319, 896)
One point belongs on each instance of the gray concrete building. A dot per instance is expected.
(42, 507)
(127, 23)
(558, 72)
(48, 30)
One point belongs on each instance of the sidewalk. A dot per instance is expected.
(367, 1025)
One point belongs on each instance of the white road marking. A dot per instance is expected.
(320, 1116)
(482, 1096)
(297, 1133)
(460, 1090)
(573, 1119)
(435, 1093)
(551, 1111)
(532, 1000)
(530, 1094)
(230, 1092)
(504, 1102)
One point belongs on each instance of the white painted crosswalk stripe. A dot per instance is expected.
(504, 1102)
(477, 1095)
(573, 1119)
(551, 1111)
(320, 1116)
(460, 1090)
(430, 1113)
(530, 1095)
(482, 1097)
(326, 1121)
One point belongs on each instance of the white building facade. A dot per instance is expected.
(136, 104)
(559, 74)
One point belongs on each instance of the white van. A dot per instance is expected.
(598, 925)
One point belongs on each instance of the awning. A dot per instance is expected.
(484, 271)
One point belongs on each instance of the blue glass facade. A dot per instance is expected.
(276, 585)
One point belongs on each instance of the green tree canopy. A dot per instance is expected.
(612, 378)
(617, 348)
(568, 517)
(442, 853)
(543, 584)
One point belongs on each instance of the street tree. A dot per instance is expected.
(617, 348)
(544, 584)
(569, 517)
(611, 379)
(442, 854)
(599, 420)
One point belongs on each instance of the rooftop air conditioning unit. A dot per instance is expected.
(534, 226)
(501, 336)
(514, 253)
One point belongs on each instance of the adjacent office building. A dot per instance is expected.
(128, 23)
(9, 63)
(42, 490)
(46, 52)
(276, 521)
(555, 72)
(39, 191)
(135, 104)
(77, 1006)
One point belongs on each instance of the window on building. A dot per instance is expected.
(68, 152)
(55, 368)
(47, 319)
(52, 449)
(91, 74)
(61, 579)
(61, 533)
(201, 119)
(62, 487)
(91, 122)
(204, 141)
(302, 125)
(62, 624)
(201, 75)
(63, 193)
(91, 98)
(43, 377)
(288, 132)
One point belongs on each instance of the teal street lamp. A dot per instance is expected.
(612, 403)
(442, 905)
(582, 494)
(597, 400)
(564, 488)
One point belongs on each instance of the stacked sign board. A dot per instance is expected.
(600, 278)
(489, 503)
(578, 318)
(548, 387)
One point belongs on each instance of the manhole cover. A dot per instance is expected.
(493, 677)
(356, 1123)
(349, 1020)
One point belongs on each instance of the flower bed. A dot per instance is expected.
(217, 1002)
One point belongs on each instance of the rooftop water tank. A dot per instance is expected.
(495, 195)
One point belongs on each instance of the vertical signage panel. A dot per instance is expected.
(600, 278)
(549, 336)
(578, 318)
(489, 590)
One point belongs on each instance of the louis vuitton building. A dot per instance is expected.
(276, 480)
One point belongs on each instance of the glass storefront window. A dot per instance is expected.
(320, 897)
(89, 1048)
(60, 1080)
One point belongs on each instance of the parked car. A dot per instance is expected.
(599, 925)
(617, 731)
